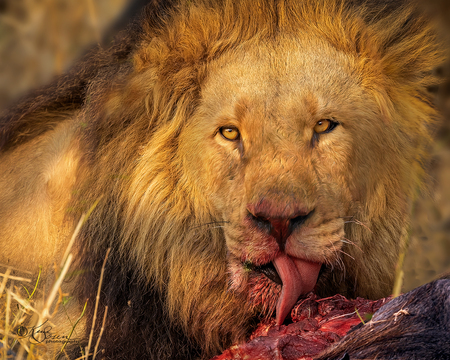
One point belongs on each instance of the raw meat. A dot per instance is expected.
(316, 324)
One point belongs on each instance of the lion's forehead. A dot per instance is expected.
(285, 79)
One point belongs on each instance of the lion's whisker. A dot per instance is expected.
(342, 266)
(212, 223)
(343, 252)
(347, 241)
(355, 221)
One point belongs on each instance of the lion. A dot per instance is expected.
(242, 154)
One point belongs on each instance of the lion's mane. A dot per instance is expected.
(166, 281)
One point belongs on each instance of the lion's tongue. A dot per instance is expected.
(298, 277)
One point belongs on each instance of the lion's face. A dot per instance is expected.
(276, 133)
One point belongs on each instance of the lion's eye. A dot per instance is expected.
(324, 126)
(229, 133)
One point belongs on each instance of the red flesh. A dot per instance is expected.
(317, 323)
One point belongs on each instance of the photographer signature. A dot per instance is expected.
(40, 333)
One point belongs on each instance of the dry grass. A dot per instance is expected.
(23, 317)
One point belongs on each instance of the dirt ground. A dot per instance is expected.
(42, 38)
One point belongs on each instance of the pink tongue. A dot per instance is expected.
(298, 277)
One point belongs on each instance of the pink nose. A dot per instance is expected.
(277, 221)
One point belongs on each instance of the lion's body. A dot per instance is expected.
(183, 209)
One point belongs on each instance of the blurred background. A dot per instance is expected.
(40, 39)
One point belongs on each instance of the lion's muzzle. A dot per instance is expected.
(297, 276)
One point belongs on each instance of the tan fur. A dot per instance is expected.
(34, 181)
(181, 191)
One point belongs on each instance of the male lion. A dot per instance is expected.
(244, 153)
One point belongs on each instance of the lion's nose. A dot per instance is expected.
(279, 224)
